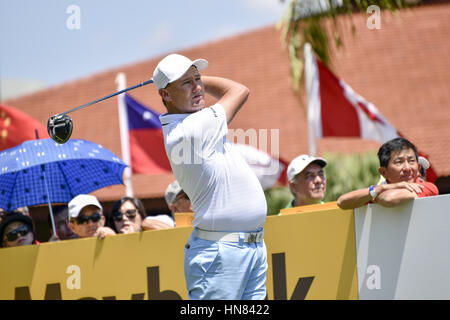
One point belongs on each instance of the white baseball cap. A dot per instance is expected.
(79, 202)
(172, 67)
(172, 191)
(301, 162)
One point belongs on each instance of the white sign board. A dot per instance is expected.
(404, 252)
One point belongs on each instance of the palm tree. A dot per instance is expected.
(304, 20)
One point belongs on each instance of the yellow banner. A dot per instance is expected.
(311, 255)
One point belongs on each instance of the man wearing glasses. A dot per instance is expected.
(307, 180)
(86, 217)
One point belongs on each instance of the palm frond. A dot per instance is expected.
(303, 21)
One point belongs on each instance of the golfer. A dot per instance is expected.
(225, 256)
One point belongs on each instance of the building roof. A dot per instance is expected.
(402, 68)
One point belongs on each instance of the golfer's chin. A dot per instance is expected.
(196, 106)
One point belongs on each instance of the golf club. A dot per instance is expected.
(60, 126)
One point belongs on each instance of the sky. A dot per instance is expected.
(49, 42)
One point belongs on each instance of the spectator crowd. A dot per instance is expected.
(402, 178)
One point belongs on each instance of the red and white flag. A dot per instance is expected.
(336, 110)
(270, 170)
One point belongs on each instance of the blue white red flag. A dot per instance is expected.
(148, 155)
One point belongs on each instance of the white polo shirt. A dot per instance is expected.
(225, 193)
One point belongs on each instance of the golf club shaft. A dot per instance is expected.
(107, 97)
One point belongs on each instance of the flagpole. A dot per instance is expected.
(123, 123)
(52, 218)
(312, 94)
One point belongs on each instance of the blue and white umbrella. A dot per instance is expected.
(43, 171)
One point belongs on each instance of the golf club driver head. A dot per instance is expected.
(60, 128)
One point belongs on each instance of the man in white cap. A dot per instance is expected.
(307, 180)
(86, 217)
(164, 221)
(176, 199)
(229, 203)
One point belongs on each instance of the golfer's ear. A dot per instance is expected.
(164, 94)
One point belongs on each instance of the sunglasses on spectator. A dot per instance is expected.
(15, 234)
(85, 219)
(131, 213)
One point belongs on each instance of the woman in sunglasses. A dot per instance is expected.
(16, 230)
(127, 215)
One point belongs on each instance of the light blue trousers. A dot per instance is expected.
(225, 270)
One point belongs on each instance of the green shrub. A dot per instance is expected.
(350, 172)
(277, 198)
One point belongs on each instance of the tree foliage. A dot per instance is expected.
(350, 172)
(303, 22)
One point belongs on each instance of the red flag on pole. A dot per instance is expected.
(335, 110)
(17, 126)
